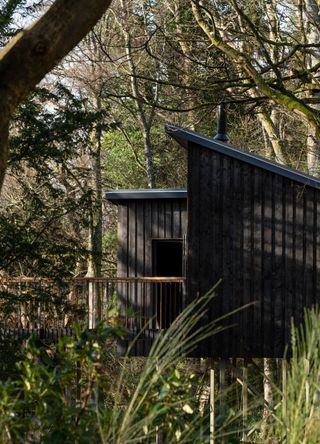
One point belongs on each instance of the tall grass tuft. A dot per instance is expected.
(152, 410)
(297, 420)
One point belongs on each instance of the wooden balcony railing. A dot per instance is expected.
(137, 303)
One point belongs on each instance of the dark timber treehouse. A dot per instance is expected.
(246, 220)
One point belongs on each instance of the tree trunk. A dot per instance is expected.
(149, 157)
(312, 36)
(96, 213)
(145, 120)
(269, 125)
(187, 69)
(4, 129)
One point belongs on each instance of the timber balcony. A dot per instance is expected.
(143, 305)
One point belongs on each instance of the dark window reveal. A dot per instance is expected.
(167, 262)
(167, 258)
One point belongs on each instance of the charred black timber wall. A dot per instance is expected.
(260, 233)
(141, 221)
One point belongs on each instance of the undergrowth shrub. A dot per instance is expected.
(81, 391)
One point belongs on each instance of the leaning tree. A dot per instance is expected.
(34, 51)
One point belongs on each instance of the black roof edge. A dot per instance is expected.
(183, 137)
(154, 193)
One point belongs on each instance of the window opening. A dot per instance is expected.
(167, 258)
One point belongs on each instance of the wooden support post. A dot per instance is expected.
(244, 400)
(284, 373)
(222, 385)
(160, 439)
(212, 399)
(98, 293)
(91, 305)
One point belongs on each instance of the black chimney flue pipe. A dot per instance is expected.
(221, 125)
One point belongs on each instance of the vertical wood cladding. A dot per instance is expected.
(259, 232)
(140, 221)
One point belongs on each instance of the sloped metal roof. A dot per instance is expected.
(184, 137)
(117, 195)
